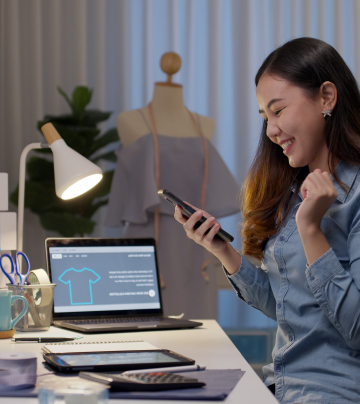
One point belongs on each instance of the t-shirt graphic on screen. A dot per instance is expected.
(80, 284)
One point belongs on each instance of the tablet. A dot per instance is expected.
(115, 361)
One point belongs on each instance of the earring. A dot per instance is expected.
(326, 113)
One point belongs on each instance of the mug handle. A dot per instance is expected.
(26, 305)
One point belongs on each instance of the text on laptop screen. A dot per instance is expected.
(101, 278)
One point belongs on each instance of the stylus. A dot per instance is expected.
(173, 369)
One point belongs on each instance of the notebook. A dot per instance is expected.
(107, 285)
(111, 346)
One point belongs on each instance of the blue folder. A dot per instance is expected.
(219, 384)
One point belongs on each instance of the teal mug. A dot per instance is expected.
(6, 301)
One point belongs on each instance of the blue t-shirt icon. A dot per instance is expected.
(80, 284)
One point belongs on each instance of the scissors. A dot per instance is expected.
(15, 268)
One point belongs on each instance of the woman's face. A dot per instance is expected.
(294, 121)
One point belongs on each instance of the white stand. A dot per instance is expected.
(21, 199)
(7, 227)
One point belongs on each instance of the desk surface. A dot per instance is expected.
(208, 345)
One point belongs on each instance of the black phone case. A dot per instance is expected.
(188, 211)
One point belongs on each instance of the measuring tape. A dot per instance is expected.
(39, 277)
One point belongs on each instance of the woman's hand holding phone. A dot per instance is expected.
(205, 236)
(205, 233)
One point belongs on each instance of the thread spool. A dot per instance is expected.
(17, 371)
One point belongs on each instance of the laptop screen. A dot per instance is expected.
(103, 276)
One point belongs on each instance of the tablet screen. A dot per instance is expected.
(105, 358)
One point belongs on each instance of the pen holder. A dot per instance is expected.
(40, 299)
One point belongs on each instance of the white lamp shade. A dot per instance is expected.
(74, 174)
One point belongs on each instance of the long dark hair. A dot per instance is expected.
(306, 63)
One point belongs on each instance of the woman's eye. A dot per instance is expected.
(278, 111)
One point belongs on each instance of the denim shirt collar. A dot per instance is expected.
(347, 174)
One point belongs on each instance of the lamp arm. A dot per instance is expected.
(21, 197)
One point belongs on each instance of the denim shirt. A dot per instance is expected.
(316, 358)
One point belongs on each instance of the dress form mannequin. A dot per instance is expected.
(164, 145)
(171, 115)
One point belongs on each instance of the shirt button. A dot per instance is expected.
(279, 305)
(282, 238)
(312, 278)
(278, 368)
(291, 338)
(281, 270)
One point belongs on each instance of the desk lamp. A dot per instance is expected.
(74, 174)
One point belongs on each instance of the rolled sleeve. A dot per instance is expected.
(252, 285)
(245, 275)
(322, 270)
(337, 294)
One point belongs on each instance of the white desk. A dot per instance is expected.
(208, 345)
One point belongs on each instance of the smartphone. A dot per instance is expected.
(115, 361)
(188, 211)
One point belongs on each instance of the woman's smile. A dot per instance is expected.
(286, 145)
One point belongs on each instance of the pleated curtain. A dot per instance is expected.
(114, 47)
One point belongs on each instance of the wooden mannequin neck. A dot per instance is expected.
(168, 97)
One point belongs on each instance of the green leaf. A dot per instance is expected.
(86, 132)
(39, 169)
(81, 97)
(62, 92)
(40, 196)
(110, 156)
(92, 117)
(67, 225)
(73, 138)
(94, 207)
(14, 196)
(109, 137)
(74, 206)
(73, 133)
(44, 151)
(62, 119)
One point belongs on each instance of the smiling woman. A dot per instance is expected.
(301, 218)
(293, 119)
(302, 79)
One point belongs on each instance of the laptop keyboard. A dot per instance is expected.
(115, 320)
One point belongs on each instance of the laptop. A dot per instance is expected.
(107, 285)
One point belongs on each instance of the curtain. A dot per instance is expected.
(114, 47)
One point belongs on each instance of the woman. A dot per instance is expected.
(301, 217)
